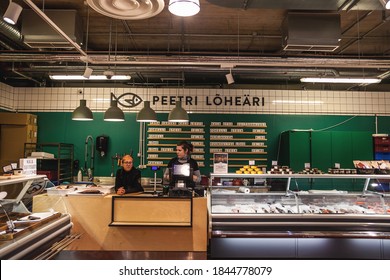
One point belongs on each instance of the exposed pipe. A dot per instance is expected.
(89, 170)
(25, 76)
(182, 60)
(356, 40)
(12, 33)
(141, 149)
(376, 124)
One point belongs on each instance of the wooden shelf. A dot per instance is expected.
(170, 145)
(235, 139)
(164, 165)
(176, 132)
(176, 138)
(236, 146)
(237, 126)
(241, 159)
(227, 132)
(169, 158)
(242, 153)
(240, 165)
(170, 152)
(174, 125)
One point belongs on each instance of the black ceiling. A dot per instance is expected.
(245, 37)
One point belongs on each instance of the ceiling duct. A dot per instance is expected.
(317, 32)
(38, 34)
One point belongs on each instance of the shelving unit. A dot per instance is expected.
(238, 139)
(381, 147)
(242, 141)
(164, 136)
(58, 169)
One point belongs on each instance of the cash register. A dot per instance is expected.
(181, 183)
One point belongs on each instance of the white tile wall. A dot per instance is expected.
(203, 100)
(6, 97)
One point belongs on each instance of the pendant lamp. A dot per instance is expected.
(114, 113)
(82, 113)
(184, 8)
(178, 114)
(146, 114)
(12, 13)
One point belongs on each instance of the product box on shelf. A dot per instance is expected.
(18, 118)
(41, 155)
(29, 166)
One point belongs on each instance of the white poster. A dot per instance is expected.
(220, 163)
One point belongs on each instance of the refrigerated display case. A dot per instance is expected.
(25, 234)
(316, 216)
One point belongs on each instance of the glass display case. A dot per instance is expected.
(25, 234)
(288, 209)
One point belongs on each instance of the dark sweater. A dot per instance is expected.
(130, 180)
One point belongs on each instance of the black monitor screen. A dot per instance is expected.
(182, 170)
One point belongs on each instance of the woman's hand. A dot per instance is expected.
(121, 191)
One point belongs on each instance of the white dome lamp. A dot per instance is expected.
(184, 8)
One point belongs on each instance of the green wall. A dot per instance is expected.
(124, 136)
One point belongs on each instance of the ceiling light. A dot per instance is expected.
(386, 4)
(12, 13)
(342, 80)
(92, 77)
(229, 78)
(184, 8)
(114, 113)
(88, 72)
(82, 113)
(178, 114)
(146, 114)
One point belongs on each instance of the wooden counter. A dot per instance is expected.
(92, 216)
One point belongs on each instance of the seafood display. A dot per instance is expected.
(278, 208)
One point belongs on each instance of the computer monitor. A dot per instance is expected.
(181, 170)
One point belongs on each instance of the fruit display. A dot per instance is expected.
(249, 169)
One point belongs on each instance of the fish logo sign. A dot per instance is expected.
(127, 99)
